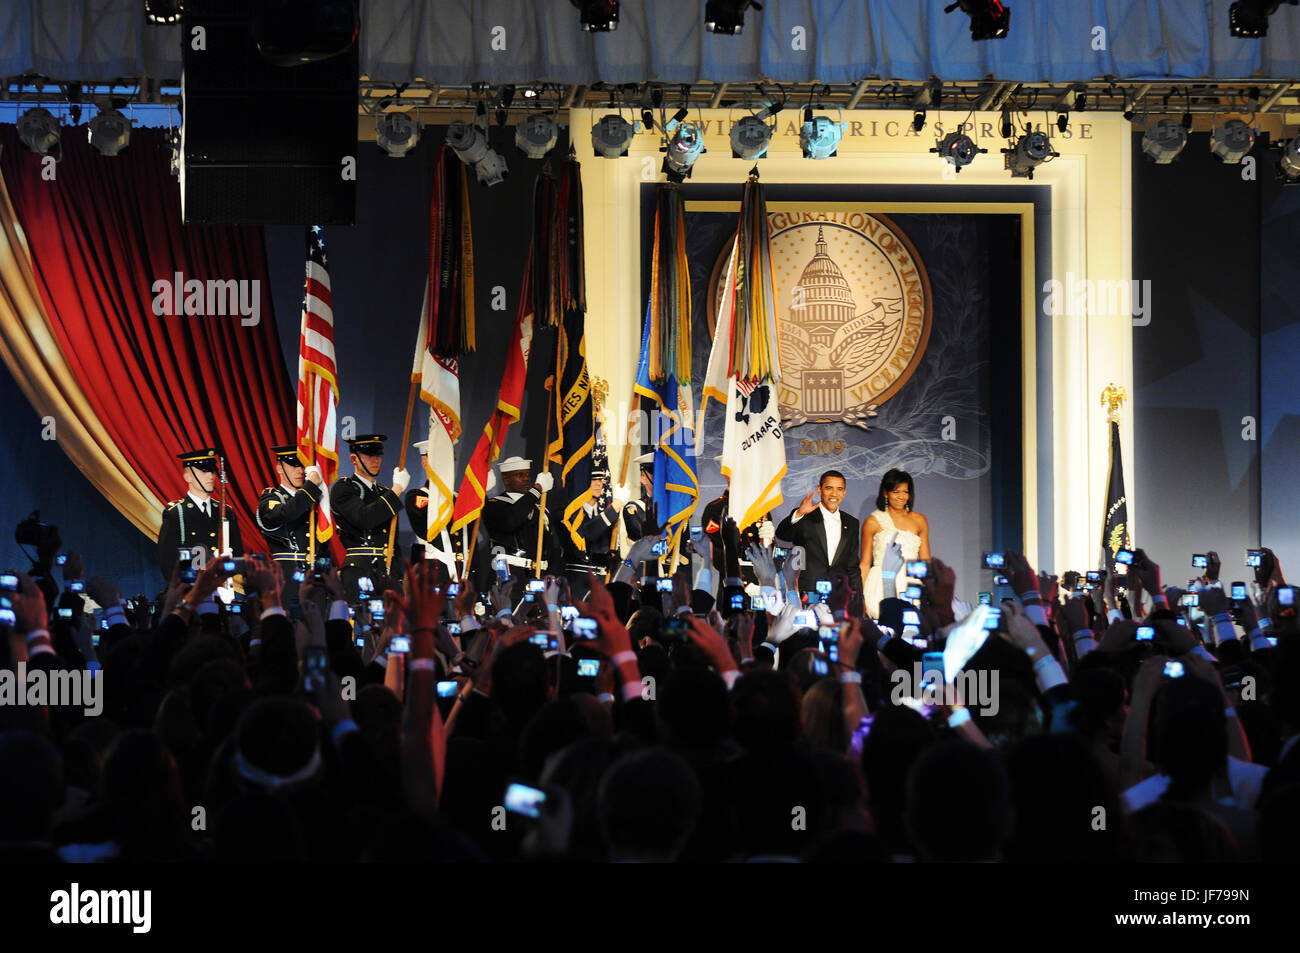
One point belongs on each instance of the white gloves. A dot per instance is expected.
(766, 532)
(401, 479)
(491, 483)
(621, 495)
(313, 473)
(544, 481)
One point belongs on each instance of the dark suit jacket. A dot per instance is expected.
(811, 535)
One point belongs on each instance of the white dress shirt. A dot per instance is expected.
(831, 524)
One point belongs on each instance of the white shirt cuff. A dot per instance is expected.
(274, 610)
(339, 611)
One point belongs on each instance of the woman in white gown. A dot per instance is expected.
(894, 521)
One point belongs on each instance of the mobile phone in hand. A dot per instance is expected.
(917, 569)
(1124, 556)
(1254, 557)
(1238, 590)
(994, 560)
(447, 689)
(1200, 561)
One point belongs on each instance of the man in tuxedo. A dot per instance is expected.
(831, 540)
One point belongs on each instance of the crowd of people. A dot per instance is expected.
(687, 717)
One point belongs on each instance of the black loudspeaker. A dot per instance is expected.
(263, 143)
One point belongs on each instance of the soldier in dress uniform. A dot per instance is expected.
(511, 520)
(363, 510)
(640, 517)
(194, 519)
(596, 529)
(284, 514)
(757, 533)
(449, 547)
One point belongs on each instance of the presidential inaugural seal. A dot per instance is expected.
(856, 313)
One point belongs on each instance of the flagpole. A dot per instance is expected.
(551, 385)
(406, 436)
(622, 473)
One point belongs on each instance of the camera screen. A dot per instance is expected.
(525, 800)
(805, 619)
(1286, 596)
(65, 613)
(911, 618)
(1190, 599)
(1145, 633)
(1174, 668)
(1253, 557)
(584, 628)
(738, 600)
(364, 584)
(588, 667)
(993, 619)
(828, 633)
(1199, 561)
(823, 586)
(1239, 590)
(994, 560)
(400, 644)
(1124, 556)
(917, 569)
(299, 575)
(447, 689)
(986, 598)
(536, 585)
(913, 592)
(664, 585)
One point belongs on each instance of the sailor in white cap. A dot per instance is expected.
(511, 517)
(639, 516)
(447, 547)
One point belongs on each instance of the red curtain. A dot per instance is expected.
(102, 231)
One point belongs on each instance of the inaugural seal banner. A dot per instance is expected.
(888, 324)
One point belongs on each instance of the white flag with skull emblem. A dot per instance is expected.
(753, 444)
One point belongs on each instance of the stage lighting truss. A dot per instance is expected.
(1248, 19)
(958, 149)
(989, 19)
(1163, 140)
(469, 141)
(1231, 141)
(1027, 153)
(685, 145)
(396, 133)
(819, 136)
(1287, 169)
(598, 16)
(536, 135)
(727, 16)
(39, 131)
(611, 136)
(109, 132)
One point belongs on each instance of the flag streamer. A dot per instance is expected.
(669, 314)
(753, 347)
(470, 499)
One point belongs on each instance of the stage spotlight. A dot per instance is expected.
(1249, 18)
(918, 120)
(1163, 141)
(491, 169)
(1030, 151)
(684, 148)
(470, 143)
(1288, 162)
(989, 20)
(163, 11)
(727, 16)
(958, 149)
(1231, 141)
(598, 16)
(819, 138)
(750, 138)
(1062, 122)
(396, 133)
(110, 132)
(536, 135)
(39, 130)
(611, 136)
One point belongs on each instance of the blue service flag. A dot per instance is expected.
(672, 431)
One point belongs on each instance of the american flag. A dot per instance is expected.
(318, 389)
